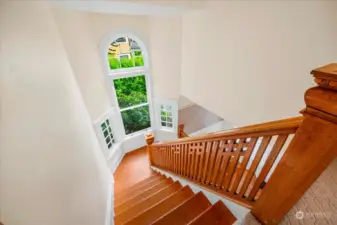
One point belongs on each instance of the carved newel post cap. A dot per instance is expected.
(149, 138)
(321, 101)
(326, 76)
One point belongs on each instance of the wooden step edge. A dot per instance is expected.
(168, 180)
(152, 176)
(140, 208)
(218, 213)
(184, 191)
(140, 189)
(138, 199)
(176, 186)
(139, 185)
(187, 210)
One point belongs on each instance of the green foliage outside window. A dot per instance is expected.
(136, 119)
(130, 91)
(115, 63)
(127, 63)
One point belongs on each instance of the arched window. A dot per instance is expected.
(128, 74)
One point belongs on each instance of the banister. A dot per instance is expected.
(266, 167)
(288, 125)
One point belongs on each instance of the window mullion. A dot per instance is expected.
(134, 106)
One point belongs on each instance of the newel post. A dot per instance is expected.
(312, 149)
(149, 138)
(181, 130)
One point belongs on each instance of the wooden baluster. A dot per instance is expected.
(182, 150)
(255, 163)
(202, 160)
(149, 139)
(174, 158)
(232, 163)
(243, 165)
(212, 159)
(186, 158)
(268, 165)
(192, 155)
(181, 159)
(196, 160)
(206, 164)
(169, 158)
(312, 149)
(225, 151)
(216, 165)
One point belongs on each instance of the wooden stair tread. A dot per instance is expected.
(216, 214)
(135, 186)
(160, 209)
(143, 195)
(186, 212)
(119, 200)
(147, 203)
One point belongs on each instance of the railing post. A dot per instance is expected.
(312, 149)
(149, 138)
(180, 130)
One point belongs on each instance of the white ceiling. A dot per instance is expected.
(133, 7)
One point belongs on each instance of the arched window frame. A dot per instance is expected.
(111, 75)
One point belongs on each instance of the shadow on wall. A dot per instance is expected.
(199, 120)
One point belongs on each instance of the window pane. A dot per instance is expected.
(109, 145)
(114, 62)
(169, 119)
(169, 114)
(130, 91)
(169, 124)
(163, 118)
(106, 133)
(139, 61)
(107, 140)
(126, 62)
(163, 113)
(136, 119)
(124, 53)
(163, 124)
(103, 125)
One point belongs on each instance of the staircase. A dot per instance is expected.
(159, 200)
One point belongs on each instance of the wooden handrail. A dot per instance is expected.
(269, 128)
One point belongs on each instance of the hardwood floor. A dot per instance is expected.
(133, 168)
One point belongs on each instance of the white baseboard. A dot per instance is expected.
(109, 205)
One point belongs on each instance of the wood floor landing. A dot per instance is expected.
(133, 168)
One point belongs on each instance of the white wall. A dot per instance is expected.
(52, 169)
(218, 126)
(165, 53)
(84, 58)
(184, 102)
(249, 61)
(196, 118)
